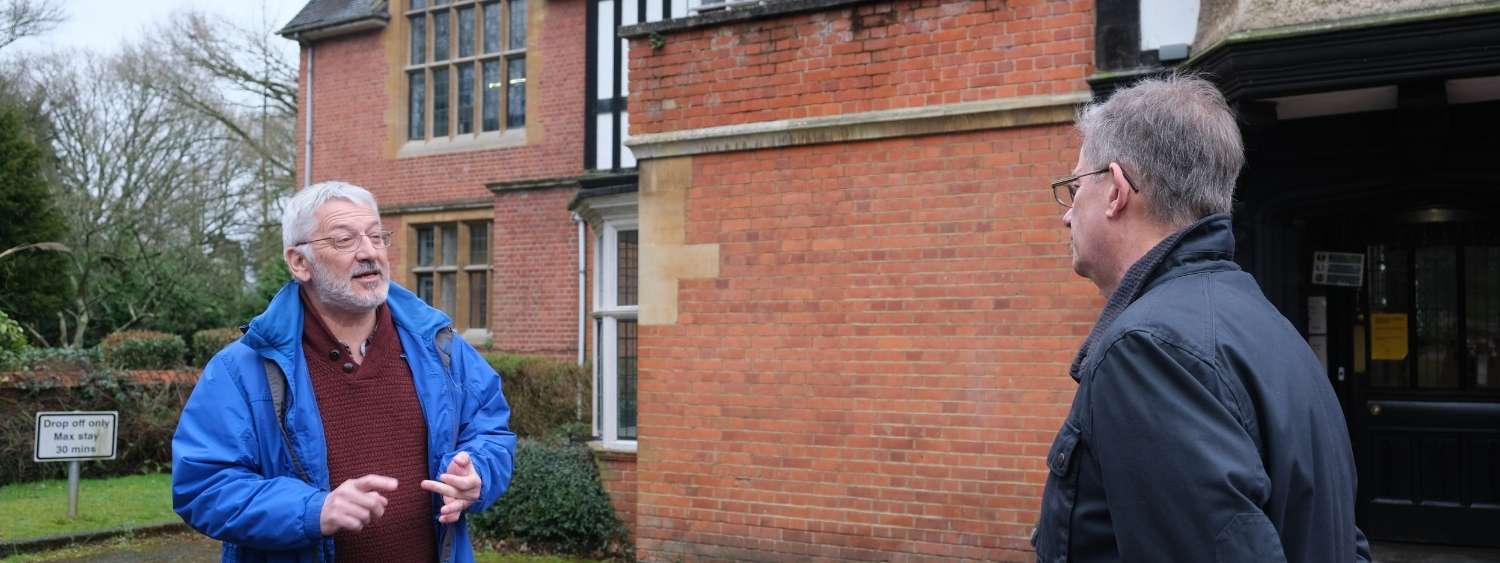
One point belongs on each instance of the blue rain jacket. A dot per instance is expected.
(234, 479)
(1203, 430)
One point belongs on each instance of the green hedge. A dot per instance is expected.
(555, 503)
(544, 394)
(143, 349)
(148, 417)
(206, 343)
(51, 359)
(12, 336)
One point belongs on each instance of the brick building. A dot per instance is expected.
(828, 297)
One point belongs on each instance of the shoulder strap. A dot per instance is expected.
(443, 339)
(277, 382)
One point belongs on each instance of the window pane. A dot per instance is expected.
(479, 243)
(418, 40)
(1389, 287)
(517, 24)
(466, 98)
(1437, 317)
(626, 258)
(466, 31)
(440, 39)
(439, 2)
(424, 287)
(1482, 301)
(418, 4)
(440, 101)
(515, 113)
(424, 246)
(450, 245)
(416, 104)
(449, 288)
(492, 85)
(491, 28)
(479, 299)
(625, 387)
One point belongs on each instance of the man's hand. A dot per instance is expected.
(460, 487)
(355, 504)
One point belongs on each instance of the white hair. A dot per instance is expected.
(298, 220)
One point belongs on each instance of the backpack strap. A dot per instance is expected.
(276, 382)
(442, 340)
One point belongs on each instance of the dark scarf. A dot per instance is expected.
(1131, 286)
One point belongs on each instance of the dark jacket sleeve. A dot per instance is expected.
(1183, 478)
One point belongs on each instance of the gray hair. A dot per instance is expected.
(1177, 141)
(298, 220)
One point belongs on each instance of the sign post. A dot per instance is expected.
(73, 436)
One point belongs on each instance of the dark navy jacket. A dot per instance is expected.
(1204, 429)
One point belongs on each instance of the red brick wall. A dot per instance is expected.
(535, 273)
(618, 471)
(869, 57)
(357, 129)
(881, 363)
(879, 367)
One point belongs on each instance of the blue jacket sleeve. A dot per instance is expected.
(1183, 477)
(484, 429)
(218, 486)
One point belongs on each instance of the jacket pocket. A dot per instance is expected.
(1051, 536)
(1248, 538)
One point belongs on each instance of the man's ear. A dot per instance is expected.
(1120, 192)
(299, 265)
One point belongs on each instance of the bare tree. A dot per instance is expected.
(152, 190)
(25, 18)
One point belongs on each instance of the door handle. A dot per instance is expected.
(1374, 409)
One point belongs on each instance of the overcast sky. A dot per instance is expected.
(103, 25)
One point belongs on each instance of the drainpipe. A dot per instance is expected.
(307, 136)
(582, 280)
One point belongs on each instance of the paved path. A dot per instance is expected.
(186, 547)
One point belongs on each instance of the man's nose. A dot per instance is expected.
(365, 249)
(1068, 218)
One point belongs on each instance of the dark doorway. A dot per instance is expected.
(1410, 202)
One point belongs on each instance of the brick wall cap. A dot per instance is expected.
(947, 118)
(764, 9)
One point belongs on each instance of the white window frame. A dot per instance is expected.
(608, 312)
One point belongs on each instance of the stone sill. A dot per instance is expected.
(613, 451)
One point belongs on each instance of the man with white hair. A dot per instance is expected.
(347, 424)
(1203, 428)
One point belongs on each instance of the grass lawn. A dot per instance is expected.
(40, 508)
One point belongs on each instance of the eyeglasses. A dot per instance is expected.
(1064, 197)
(347, 242)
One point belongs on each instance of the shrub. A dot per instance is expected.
(142, 349)
(52, 359)
(148, 417)
(12, 336)
(206, 343)
(555, 503)
(544, 393)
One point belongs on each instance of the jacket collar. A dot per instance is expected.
(277, 332)
(1210, 239)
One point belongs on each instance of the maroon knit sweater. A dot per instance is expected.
(372, 422)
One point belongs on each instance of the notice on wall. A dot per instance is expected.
(1388, 336)
(1346, 269)
(73, 435)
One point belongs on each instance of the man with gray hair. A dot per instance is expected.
(347, 424)
(1203, 428)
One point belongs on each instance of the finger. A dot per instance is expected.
(349, 523)
(461, 464)
(366, 501)
(440, 488)
(467, 484)
(374, 483)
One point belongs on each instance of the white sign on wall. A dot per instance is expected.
(74, 435)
